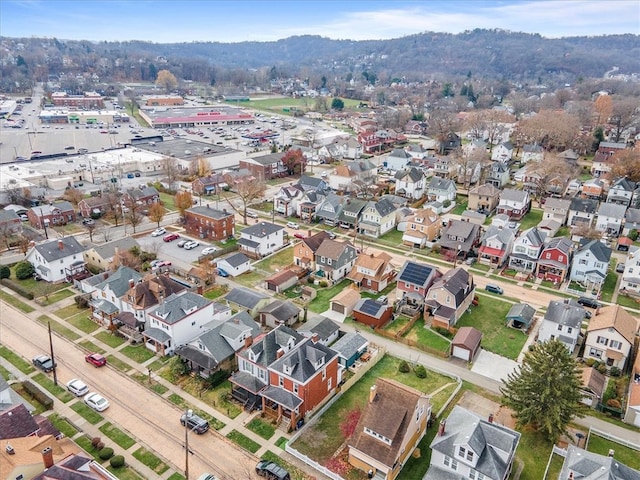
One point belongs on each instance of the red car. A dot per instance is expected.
(170, 237)
(299, 235)
(96, 359)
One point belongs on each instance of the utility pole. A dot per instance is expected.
(186, 445)
(44, 224)
(53, 359)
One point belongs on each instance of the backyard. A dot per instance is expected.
(321, 302)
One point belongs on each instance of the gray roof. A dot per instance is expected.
(438, 183)
(321, 326)
(370, 307)
(108, 250)
(268, 159)
(9, 397)
(51, 250)
(584, 205)
(137, 193)
(590, 465)
(176, 307)
(486, 439)
(625, 184)
(563, 313)
(535, 236)
(559, 203)
(236, 259)
(265, 350)
(384, 206)
(522, 312)
(360, 165)
(245, 297)
(532, 148)
(207, 211)
(261, 229)
(400, 153)
(349, 344)
(304, 360)
(620, 145)
(597, 248)
(632, 215)
(413, 173)
(281, 310)
(282, 397)
(8, 216)
(612, 210)
(119, 281)
(513, 195)
(505, 235)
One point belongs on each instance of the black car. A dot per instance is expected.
(271, 470)
(194, 422)
(588, 302)
(44, 363)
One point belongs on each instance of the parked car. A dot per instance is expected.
(588, 302)
(77, 387)
(271, 470)
(209, 250)
(95, 359)
(252, 214)
(331, 235)
(182, 243)
(494, 289)
(222, 272)
(207, 476)
(191, 244)
(620, 268)
(96, 401)
(170, 237)
(470, 261)
(158, 231)
(293, 225)
(194, 422)
(299, 235)
(88, 221)
(160, 264)
(44, 363)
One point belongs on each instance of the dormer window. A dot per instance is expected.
(465, 454)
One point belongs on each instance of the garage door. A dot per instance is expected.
(462, 353)
(336, 307)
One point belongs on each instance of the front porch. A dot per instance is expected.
(157, 341)
(245, 389)
(280, 405)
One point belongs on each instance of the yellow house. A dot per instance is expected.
(101, 256)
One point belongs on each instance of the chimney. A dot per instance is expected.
(279, 353)
(47, 457)
(372, 393)
(315, 338)
(611, 452)
(491, 418)
(60, 245)
(441, 427)
(208, 206)
(570, 475)
(131, 283)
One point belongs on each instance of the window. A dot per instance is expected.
(560, 328)
(569, 329)
(547, 255)
(281, 381)
(561, 258)
(594, 352)
(615, 344)
(473, 475)
(329, 384)
(295, 388)
(324, 374)
(602, 341)
(451, 463)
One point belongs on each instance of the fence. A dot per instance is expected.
(412, 343)
(613, 438)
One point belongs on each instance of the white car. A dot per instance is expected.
(191, 244)
(293, 225)
(77, 387)
(96, 401)
(158, 231)
(209, 250)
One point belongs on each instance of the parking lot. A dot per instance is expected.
(170, 251)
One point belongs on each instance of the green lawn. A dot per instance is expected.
(58, 327)
(563, 232)
(59, 390)
(321, 302)
(262, 428)
(151, 461)
(626, 455)
(277, 261)
(123, 440)
(461, 205)
(243, 441)
(63, 425)
(176, 476)
(392, 237)
(117, 363)
(82, 322)
(91, 347)
(109, 338)
(627, 301)
(87, 413)
(609, 286)
(85, 442)
(153, 385)
(168, 201)
(125, 473)
(531, 219)
(137, 353)
(16, 360)
(216, 292)
(6, 374)
(489, 318)
(16, 302)
(426, 336)
(70, 311)
(57, 296)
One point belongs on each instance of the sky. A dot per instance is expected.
(166, 21)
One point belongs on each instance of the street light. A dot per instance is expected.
(455, 258)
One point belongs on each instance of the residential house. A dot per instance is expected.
(17, 421)
(630, 281)
(484, 198)
(631, 221)
(279, 312)
(498, 174)
(502, 153)
(350, 214)
(144, 295)
(593, 188)
(335, 259)
(422, 227)
(459, 238)
(75, 466)
(262, 239)
(602, 159)
(610, 217)
(9, 397)
(246, 299)
(415, 127)
(329, 210)
(309, 204)
(209, 185)
(556, 209)
(177, 321)
(555, 260)
(29, 456)
(326, 330)
(468, 446)
(377, 217)
(235, 264)
(285, 201)
(50, 215)
(526, 250)
(441, 190)
(449, 297)
(10, 223)
(145, 196)
(397, 160)
(569, 156)
(593, 386)
(444, 167)
(590, 264)
(93, 207)
(105, 257)
(350, 347)
(514, 203)
(352, 173)
(344, 302)
(372, 313)
(532, 153)
(304, 251)
(473, 217)
(58, 260)
(391, 426)
(265, 167)
(372, 272)
(496, 245)
(549, 227)
(414, 281)
(469, 174)
(466, 343)
(610, 336)
(252, 376)
(107, 296)
(562, 322)
(312, 184)
(632, 415)
(621, 191)
(556, 185)
(449, 143)
(410, 183)
(582, 212)
(583, 464)
(215, 349)
(209, 223)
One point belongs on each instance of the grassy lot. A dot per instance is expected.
(264, 429)
(609, 286)
(555, 467)
(70, 311)
(152, 385)
(176, 476)
(563, 232)
(177, 400)
(37, 405)
(628, 456)
(63, 425)
(426, 336)
(534, 450)
(4, 373)
(324, 438)
(38, 288)
(87, 413)
(531, 219)
(461, 205)
(276, 105)
(250, 279)
(85, 442)
(158, 363)
(82, 322)
(489, 318)
(125, 473)
(109, 339)
(168, 201)
(16, 302)
(117, 363)
(627, 301)
(480, 268)
(321, 302)
(91, 347)
(216, 292)
(56, 297)
(276, 261)
(58, 327)
(138, 353)
(392, 237)
(58, 391)
(243, 441)
(396, 325)
(151, 461)
(296, 474)
(16, 360)
(123, 440)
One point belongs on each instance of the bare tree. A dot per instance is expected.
(466, 162)
(73, 195)
(248, 190)
(541, 173)
(91, 228)
(587, 231)
(441, 124)
(625, 113)
(496, 125)
(626, 163)
(552, 129)
(133, 214)
(171, 171)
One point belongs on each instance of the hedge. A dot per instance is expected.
(117, 461)
(38, 394)
(24, 270)
(16, 287)
(106, 453)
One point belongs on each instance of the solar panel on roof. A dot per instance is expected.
(369, 307)
(415, 273)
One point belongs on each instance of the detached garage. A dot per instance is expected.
(466, 343)
(344, 302)
(281, 281)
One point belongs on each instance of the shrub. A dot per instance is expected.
(420, 371)
(404, 367)
(633, 234)
(323, 284)
(614, 403)
(106, 453)
(5, 272)
(95, 441)
(100, 446)
(446, 203)
(16, 287)
(24, 270)
(82, 301)
(38, 394)
(443, 331)
(590, 362)
(217, 378)
(602, 368)
(615, 372)
(117, 461)
(310, 281)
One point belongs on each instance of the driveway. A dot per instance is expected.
(493, 366)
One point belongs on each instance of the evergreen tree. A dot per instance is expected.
(545, 392)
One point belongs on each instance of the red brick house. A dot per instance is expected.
(208, 223)
(555, 259)
(10, 223)
(142, 196)
(97, 205)
(414, 281)
(372, 313)
(50, 215)
(265, 167)
(208, 185)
